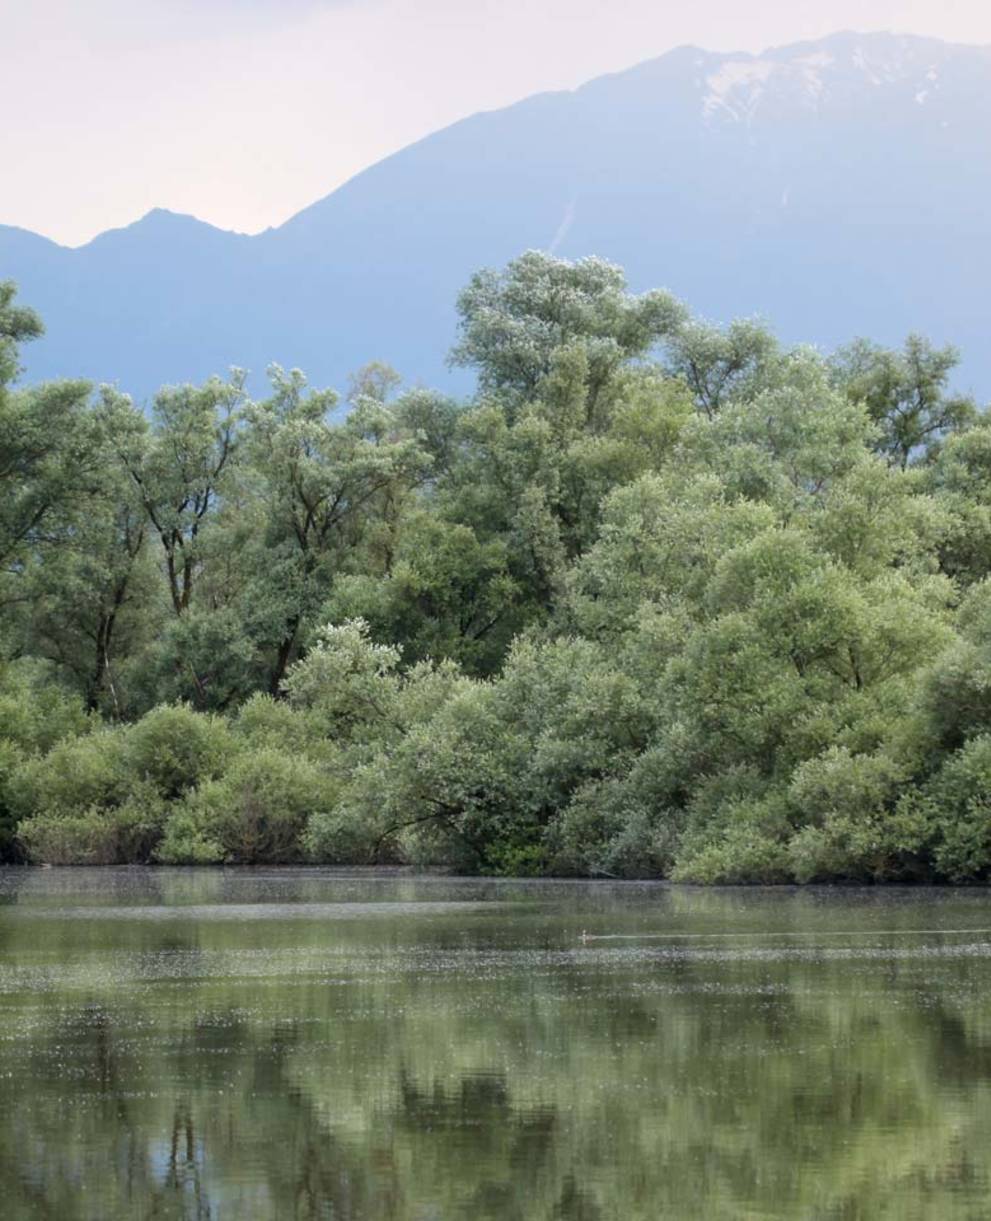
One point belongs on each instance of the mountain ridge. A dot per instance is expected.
(834, 186)
(777, 51)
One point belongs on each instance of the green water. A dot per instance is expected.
(311, 1043)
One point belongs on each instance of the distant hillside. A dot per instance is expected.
(839, 187)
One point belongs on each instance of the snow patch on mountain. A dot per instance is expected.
(736, 87)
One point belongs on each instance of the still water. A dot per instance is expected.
(311, 1043)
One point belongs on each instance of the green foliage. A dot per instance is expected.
(11, 757)
(849, 826)
(736, 830)
(173, 749)
(664, 598)
(958, 801)
(955, 691)
(515, 324)
(76, 774)
(961, 476)
(265, 721)
(18, 324)
(348, 683)
(720, 364)
(446, 595)
(256, 813)
(322, 491)
(906, 394)
(623, 826)
(36, 712)
(96, 835)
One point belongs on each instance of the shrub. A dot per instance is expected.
(877, 846)
(11, 757)
(740, 839)
(173, 748)
(958, 801)
(36, 712)
(623, 827)
(187, 839)
(850, 827)
(343, 835)
(743, 855)
(264, 721)
(101, 799)
(77, 774)
(257, 812)
(125, 834)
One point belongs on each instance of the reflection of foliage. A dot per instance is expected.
(464, 1066)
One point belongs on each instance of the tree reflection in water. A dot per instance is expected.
(793, 1055)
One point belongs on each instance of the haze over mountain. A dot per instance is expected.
(837, 188)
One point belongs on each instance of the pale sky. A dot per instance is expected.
(241, 112)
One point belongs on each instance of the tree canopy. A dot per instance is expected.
(663, 598)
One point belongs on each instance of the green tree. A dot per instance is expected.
(719, 363)
(49, 453)
(179, 467)
(906, 393)
(316, 487)
(513, 324)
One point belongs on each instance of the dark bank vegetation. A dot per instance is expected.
(661, 599)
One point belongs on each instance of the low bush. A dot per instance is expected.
(174, 748)
(77, 774)
(957, 801)
(622, 827)
(256, 813)
(120, 835)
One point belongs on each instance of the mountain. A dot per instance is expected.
(836, 187)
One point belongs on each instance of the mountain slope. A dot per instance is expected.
(836, 187)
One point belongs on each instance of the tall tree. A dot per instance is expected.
(906, 393)
(513, 324)
(49, 452)
(178, 467)
(317, 485)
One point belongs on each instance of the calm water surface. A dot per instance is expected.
(312, 1043)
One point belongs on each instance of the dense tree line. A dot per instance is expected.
(662, 598)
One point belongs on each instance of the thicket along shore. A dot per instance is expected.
(662, 599)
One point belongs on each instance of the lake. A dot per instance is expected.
(294, 1043)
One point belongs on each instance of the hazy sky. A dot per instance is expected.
(243, 111)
